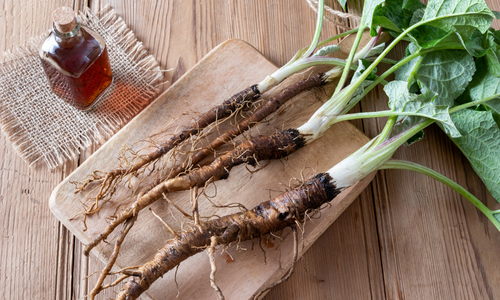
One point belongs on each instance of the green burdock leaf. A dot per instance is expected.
(363, 64)
(480, 143)
(497, 216)
(492, 51)
(406, 122)
(475, 44)
(447, 73)
(405, 103)
(408, 69)
(443, 24)
(451, 24)
(368, 11)
(358, 94)
(417, 16)
(431, 37)
(494, 107)
(462, 38)
(446, 14)
(395, 15)
(484, 85)
(342, 3)
(413, 5)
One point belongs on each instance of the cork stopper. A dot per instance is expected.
(64, 19)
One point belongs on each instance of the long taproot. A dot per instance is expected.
(216, 113)
(267, 217)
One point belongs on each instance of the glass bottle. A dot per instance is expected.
(75, 60)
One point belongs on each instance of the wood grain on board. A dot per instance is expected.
(406, 237)
(30, 266)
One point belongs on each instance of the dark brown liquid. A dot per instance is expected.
(89, 68)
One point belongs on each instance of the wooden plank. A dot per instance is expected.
(233, 59)
(31, 240)
(216, 21)
(47, 270)
(29, 244)
(179, 34)
(22, 20)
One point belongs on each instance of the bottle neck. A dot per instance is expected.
(68, 39)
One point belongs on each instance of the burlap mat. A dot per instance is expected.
(41, 126)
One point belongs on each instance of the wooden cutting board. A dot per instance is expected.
(242, 271)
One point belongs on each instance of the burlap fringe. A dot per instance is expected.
(343, 16)
(104, 128)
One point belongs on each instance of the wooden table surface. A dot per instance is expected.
(405, 237)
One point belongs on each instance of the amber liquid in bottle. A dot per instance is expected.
(77, 66)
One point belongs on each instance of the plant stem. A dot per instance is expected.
(366, 115)
(383, 76)
(382, 55)
(384, 135)
(473, 103)
(405, 135)
(393, 69)
(338, 36)
(317, 33)
(285, 71)
(300, 53)
(354, 85)
(380, 79)
(405, 165)
(354, 48)
(385, 60)
(404, 33)
(392, 120)
(411, 78)
(306, 52)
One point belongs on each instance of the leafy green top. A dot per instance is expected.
(422, 105)
(480, 143)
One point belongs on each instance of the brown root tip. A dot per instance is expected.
(255, 89)
(323, 78)
(326, 181)
(298, 139)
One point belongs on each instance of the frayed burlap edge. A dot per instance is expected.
(105, 127)
(339, 18)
